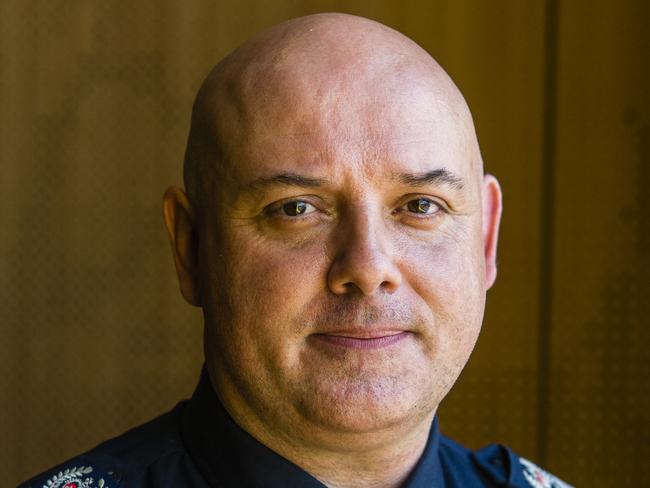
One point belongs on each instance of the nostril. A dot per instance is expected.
(387, 285)
(356, 272)
(351, 286)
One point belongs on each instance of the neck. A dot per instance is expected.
(386, 464)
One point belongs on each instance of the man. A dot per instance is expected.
(340, 236)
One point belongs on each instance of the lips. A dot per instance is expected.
(362, 339)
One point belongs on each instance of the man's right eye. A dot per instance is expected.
(293, 208)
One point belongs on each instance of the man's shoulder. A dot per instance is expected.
(117, 461)
(498, 464)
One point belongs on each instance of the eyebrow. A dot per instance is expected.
(441, 175)
(286, 179)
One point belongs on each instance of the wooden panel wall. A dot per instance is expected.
(599, 409)
(95, 108)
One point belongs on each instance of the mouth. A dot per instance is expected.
(362, 339)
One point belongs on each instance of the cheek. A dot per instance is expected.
(449, 268)
(447, 279)
(447, 275)
(268, 287)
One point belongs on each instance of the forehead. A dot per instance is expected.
(340, 119)
(364, 135)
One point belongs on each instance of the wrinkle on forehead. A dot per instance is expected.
(309, 76)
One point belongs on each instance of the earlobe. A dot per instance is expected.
(492, 207)
(181, 229)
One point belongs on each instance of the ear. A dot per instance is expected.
(181, 227)
(492, 207)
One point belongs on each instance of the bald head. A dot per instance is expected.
(309, 74)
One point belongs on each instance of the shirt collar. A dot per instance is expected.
(228, 456)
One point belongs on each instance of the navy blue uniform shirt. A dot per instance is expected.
(198, 445)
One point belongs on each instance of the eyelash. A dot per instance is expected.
(438, 207)
(275, 210)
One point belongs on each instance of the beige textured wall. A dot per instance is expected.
(95, 102)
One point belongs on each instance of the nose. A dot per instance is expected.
(364, 262)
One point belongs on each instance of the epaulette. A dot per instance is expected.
(76, 473)
(507, 469)
(538, 478)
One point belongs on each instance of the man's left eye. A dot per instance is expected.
(422, 206)
(296, 208)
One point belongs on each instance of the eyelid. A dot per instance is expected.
(440, 204)
(275, 209)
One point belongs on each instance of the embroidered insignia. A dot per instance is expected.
(538, 478)
(74, 478)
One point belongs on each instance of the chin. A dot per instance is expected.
(360, 405)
